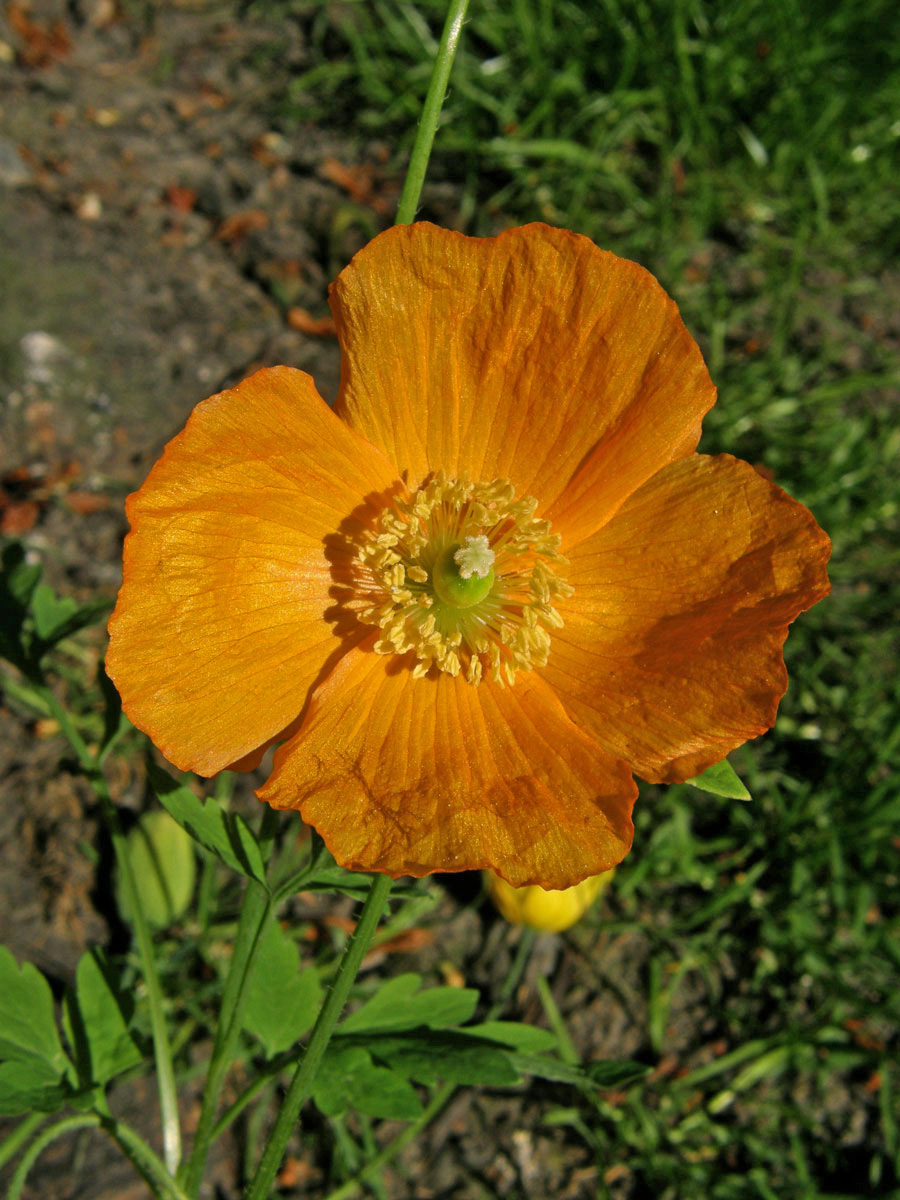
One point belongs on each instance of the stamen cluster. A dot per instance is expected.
(505, 631)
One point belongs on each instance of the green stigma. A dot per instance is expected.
(463, 575)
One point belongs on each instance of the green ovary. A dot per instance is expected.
(451, 588)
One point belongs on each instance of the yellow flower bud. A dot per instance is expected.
(550, 911)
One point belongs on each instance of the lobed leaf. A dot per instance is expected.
(30, 1085)
(27, 1025)
(429, 1055)
(282, 1001)
(347, 1078)
(227, 835)
(56, 617)
(527, 1038)
(97, 1016)
(396, 1005)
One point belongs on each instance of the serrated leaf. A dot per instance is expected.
(429, 1055)
(30, 1085)
(347, 1078)
(97, 1019)
(164, 866)
(396, 1006)
(722, 780)
(282, 1001)
(225, 834)
(27, 1025)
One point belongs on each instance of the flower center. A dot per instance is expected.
(463, 576)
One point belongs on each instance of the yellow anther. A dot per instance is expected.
(495, 619)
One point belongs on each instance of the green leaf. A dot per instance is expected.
(30, 1085)
(428, 1055)
(722, 780)
(347, 1078)
(97, 1017)
(164, 866)
(18, 580)
(600, 1075)
(56, 617)
(396, 1006)
(225, 834)
(332, 878)
(50, 612)
(27, 1026)
(527, 1038)
(616, 1073)
(282, 1001)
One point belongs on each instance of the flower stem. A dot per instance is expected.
(301, 1085)
(165, 1073)
(254, 912)
(431, 112)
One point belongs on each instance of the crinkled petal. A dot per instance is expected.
(224, 619)
(671, 653)
(409, 776)
(532, 356)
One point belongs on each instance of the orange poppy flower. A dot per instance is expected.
(482, 592)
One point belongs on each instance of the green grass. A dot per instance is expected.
(747, 153)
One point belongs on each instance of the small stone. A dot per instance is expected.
(90, 207)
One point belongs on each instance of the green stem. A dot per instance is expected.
(260, 1083)
(11, 1145)
(37, 1147)
(431, 112)
(301, 1085)
(254, 913)
(130, 1143)
(165, 1073)
(142, 1158)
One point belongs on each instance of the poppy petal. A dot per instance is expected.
(408, 776)
(222, 623)
(533, 356)
(671, 651)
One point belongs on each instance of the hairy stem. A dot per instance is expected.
(254, 912)
(301, 1085)
(431, 112)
